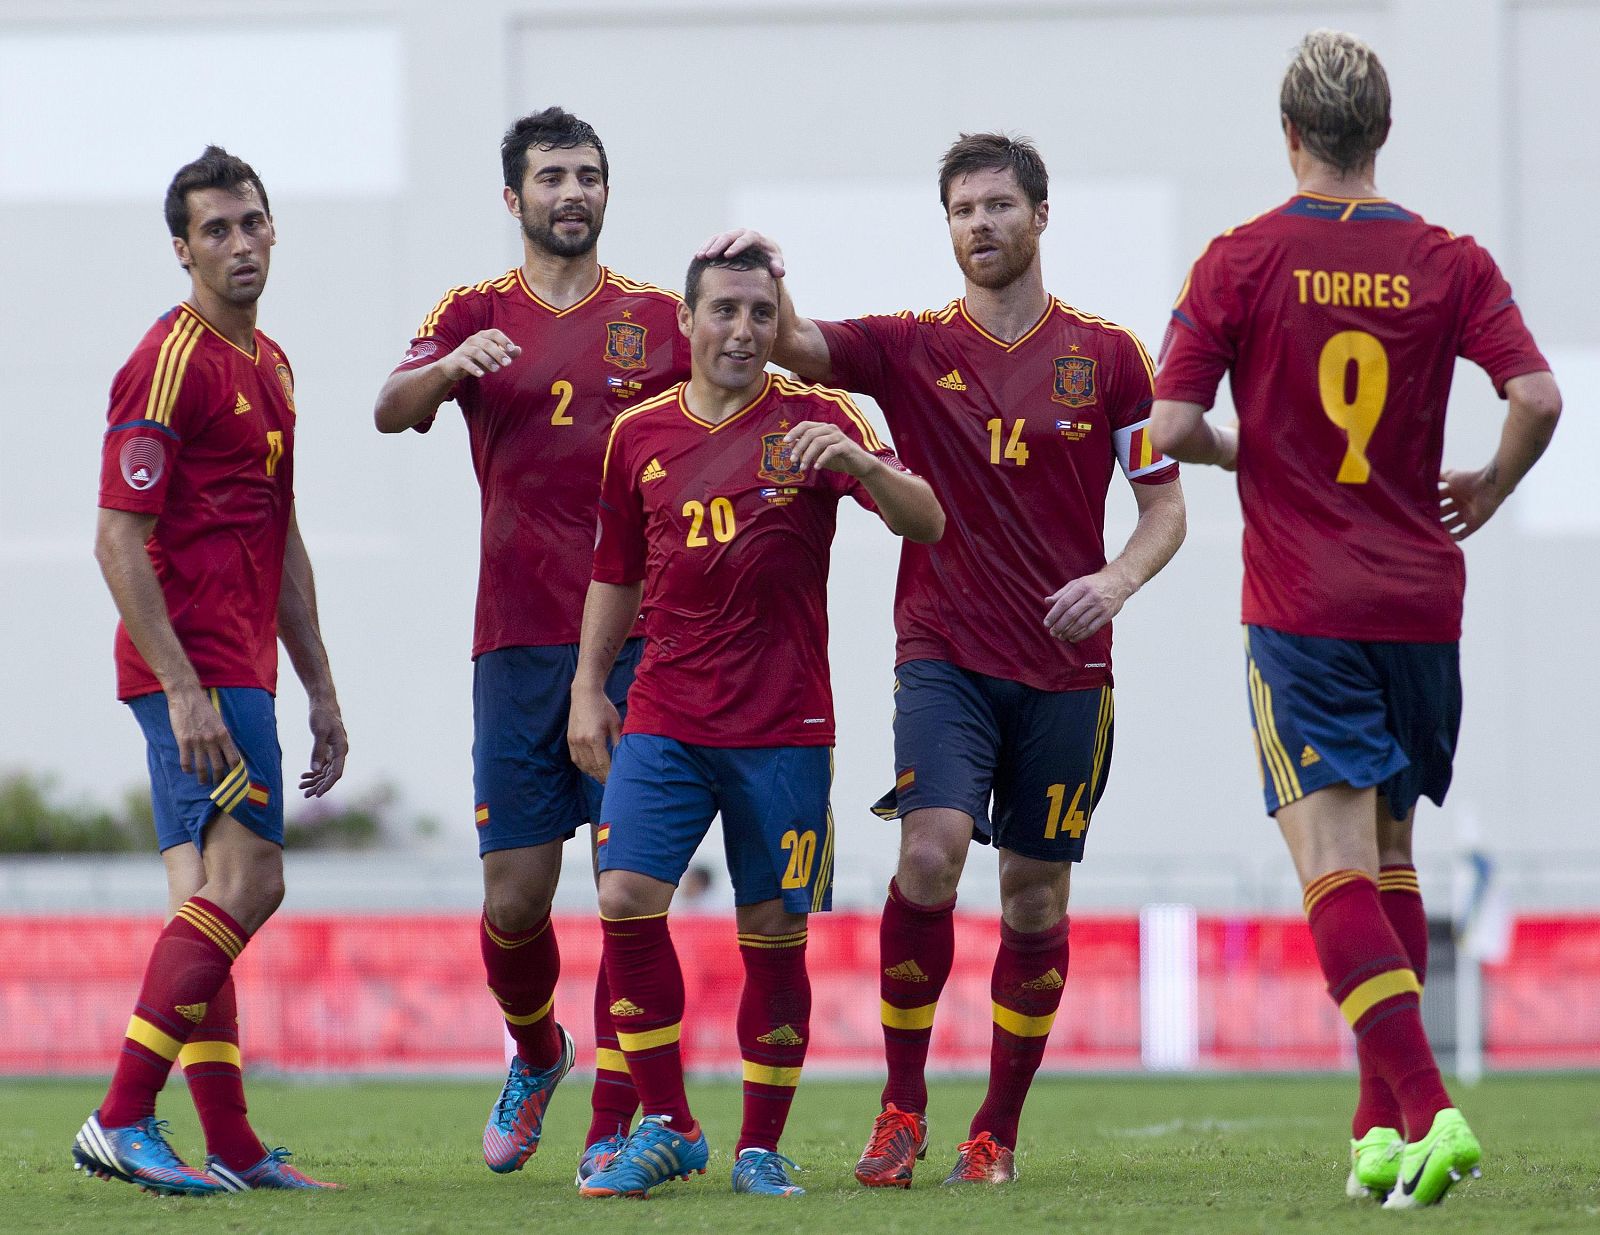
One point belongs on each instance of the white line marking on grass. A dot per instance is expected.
(1172, 1126)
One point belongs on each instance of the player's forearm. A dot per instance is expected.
(410, 397)
(135, 590)
(907, 503)
(1163, 522)
(800, 346)
(1180, 431)
(299, 627)
(1530, 423)
(609, 612)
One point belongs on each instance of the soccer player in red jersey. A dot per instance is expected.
(1017, 408)
(199, 546)
(717, 510)
(540, 361)
(1339, 316)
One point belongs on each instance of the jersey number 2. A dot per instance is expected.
(1355, 409)
(563, 394)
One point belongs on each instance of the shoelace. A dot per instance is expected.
(280, 1155)
(518, 1086)
(981, 1152)
(890, 1124)
(155, 1131)
(768, 1167)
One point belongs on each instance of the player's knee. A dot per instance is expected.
(929, 871)
(514, 909)
(1034, 904)
(249, 891)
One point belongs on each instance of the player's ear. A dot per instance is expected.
(1041, 216)
(180, 246)
(685, 318)
(513, 203)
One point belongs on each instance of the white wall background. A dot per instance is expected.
(375, 124)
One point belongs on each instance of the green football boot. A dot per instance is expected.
(1374, 1164)
(1428, 1168)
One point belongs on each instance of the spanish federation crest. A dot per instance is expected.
(287, 383)
(777, 467)
(1074, 381)
(625, 345)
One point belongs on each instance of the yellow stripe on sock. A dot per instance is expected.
(773, 941)
(210, 1052)
(609, 1060)
(153, 1039)
(1023, 1026)
(761, 1074)
(907, 1018)
(650, 1038)
(1375, 990)
(1318, 890)
(512, 1019)
(212, 929)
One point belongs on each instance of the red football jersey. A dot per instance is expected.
(538, 431)
(1341, 321)
(1019, 441)
(732, 544)
(202, 436)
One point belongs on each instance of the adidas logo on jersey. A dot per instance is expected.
(951, 381)
(194, 1013)
(783, 1035)
(624, 1007)
(906, 971)
(241, 405)
(1048, 981)
(1308, 757)
(652, 471)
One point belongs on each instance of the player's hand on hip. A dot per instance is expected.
(732, 243)
(205, 747)
(1086, 604)
(594, 726)
(485, 352)
(815, 445)
(1467, 500)
(329, 746)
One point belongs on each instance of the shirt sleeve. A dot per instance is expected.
(450, 324)
(154, 398)
(858, 348)
(1129, 413)
(619, 545)
(854, 422)
(1494, 336)
(1202, 336)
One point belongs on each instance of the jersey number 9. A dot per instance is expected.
(1354, 407)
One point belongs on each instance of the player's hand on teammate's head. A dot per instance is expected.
(816, 445)
(329, 746)
(732, 243)
(485, 352)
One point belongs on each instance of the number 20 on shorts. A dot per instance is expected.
(802, 850)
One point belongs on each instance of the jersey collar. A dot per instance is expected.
(571, 308)
(252, 357)
(1032, 330)
(683, 406)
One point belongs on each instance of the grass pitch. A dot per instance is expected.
(1107, 1156)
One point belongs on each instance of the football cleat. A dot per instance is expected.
(511, 1136)
(1374, 1164)
(982, 1160)
(760, 1171)
(273, 1171)
(1429, 1167)
(138, 1154)
(599, 1155)
(653, 1154)
(899, 1138)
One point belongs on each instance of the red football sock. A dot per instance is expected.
(647, 1011)
(774, 1027)
(187, 967)
(916, 947)
(523, 967)
(1030, 971)
(1401, 897)
(213, 1067)
(1370, 978)
(613, 1099)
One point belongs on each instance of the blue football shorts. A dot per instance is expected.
(963, 740)
(252, 793)
(527, 789)
(1344, 711)
(777, 827)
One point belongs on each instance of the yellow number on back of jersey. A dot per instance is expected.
(1357, 415)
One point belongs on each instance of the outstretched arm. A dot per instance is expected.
(1088, 603)
(301, 633)
(593, 725)
(1468, 500)
(800, 346)
(205, 749)
(410, 396)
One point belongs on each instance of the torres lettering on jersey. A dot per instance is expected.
(1353, 289)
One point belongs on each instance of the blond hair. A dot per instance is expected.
(1336, 94)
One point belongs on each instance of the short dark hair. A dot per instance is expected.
(753, 258)
(993, 152)
(554, 129)
(214, 169)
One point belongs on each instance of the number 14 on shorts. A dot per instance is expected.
(1068, 817)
